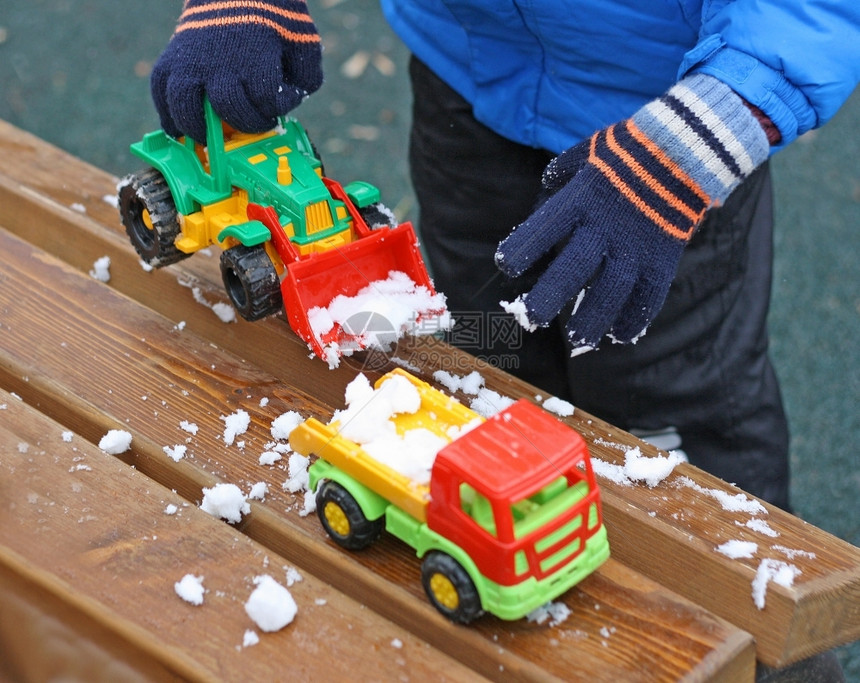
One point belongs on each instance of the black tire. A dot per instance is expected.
(316, 155)
(450, 588)
(148, 213)
(251, 281)
(343, 519)
(377, 215)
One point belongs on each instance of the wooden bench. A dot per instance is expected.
(141, 353)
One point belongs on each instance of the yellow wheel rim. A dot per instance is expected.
(444, 591)
(336, 518)
(147, 219)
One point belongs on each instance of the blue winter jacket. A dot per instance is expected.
(548, 73)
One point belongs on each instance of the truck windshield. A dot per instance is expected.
(528, 514)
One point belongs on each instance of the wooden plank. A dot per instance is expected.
(58, 203)
(656, 531)
(94, 360)
(85, 541)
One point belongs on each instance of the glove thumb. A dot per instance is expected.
(562, 168)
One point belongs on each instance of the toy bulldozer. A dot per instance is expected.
(291, 238)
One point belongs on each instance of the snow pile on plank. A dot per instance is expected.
(116, 441)
(637, 468)
(739, 502)
(554, 612)
(271, 606)
(736, 549)
(486, 402)
(190, 588)
(776, 571)
(225, 501)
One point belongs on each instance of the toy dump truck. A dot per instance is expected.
(291, 238)
(510, 517)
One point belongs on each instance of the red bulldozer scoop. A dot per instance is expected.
(367, 293)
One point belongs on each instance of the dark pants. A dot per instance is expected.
(703, 366)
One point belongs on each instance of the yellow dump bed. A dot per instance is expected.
(439, 413)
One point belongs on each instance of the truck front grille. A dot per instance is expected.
(318, 217)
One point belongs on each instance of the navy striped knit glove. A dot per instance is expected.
(254, 60)
(623, 206)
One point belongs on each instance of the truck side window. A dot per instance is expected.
(478, 508)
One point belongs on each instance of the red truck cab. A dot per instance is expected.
(518, 495)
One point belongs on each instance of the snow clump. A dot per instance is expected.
(101, 269)
(739, 502)
(270, 606)
(559, 406)
(555, 612)
(225, 501)
(650, 470)
(116, 441)
(189, 427)
(777, 571)
(519, 310)
(298, 473)
(259, 491)
(738, 549)
(190, 588)
(175, 453)
(234, 425)
(486, 402)
(284, 424)
(637, 467)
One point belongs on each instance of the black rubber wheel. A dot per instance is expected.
(316, 155)
(251, 281)
(148, 213)
(343, 519)
(449, 588)
(377, 215)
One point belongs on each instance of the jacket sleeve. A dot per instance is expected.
(797, 60)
